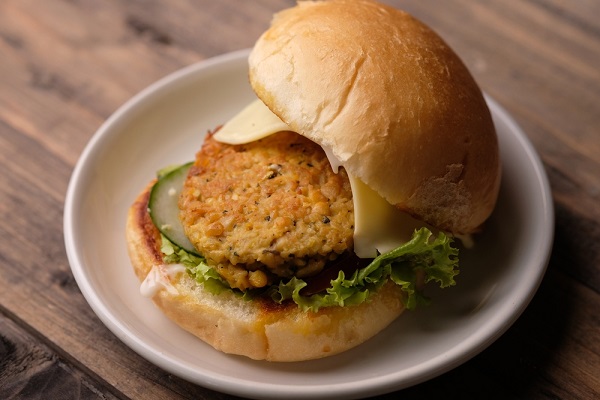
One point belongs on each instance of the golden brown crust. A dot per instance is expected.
(257, 329)
(391, 100)
(272, 205)
(143, 239)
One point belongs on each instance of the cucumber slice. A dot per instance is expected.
(164, 210)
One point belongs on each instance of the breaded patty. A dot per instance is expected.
(273, 207)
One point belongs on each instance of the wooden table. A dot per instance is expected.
(65, 66)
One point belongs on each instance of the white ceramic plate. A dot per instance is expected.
(165, 124)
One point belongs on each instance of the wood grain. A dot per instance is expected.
(28, 368)
(66, 65)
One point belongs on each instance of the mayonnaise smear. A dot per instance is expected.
(159, 278)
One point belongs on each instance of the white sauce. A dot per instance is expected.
(159, 278)
(335, 162)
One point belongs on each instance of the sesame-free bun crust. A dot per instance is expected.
(259, 329)
(390, 99)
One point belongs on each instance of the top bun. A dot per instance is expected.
(392, 102)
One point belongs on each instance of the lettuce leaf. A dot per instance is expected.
(196, 266)
(433, 259)
(167, 170)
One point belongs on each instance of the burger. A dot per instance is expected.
(312, 219)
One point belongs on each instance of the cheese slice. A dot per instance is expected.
(378, 226)
(254, 122)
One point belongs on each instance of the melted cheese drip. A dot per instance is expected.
(159, 278)
(378, 226)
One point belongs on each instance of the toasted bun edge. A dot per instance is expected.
(255, 329)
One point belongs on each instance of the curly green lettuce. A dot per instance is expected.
(435, 259)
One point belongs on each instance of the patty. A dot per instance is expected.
(267, 210)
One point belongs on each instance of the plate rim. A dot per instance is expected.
(377, 385)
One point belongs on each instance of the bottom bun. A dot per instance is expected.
(259, 329)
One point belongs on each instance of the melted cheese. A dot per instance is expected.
(378, 226)
(254, 122)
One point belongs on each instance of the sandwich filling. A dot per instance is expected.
(267, 210)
